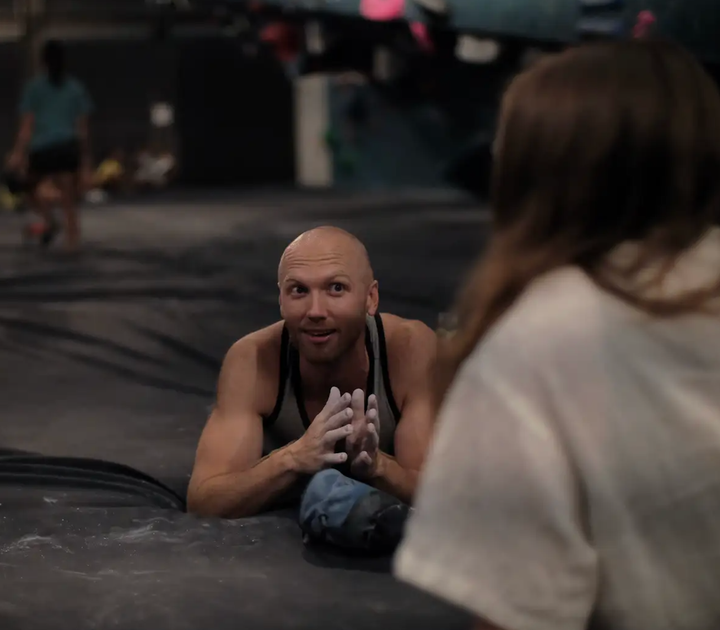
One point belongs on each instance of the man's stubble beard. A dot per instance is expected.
(344, 347)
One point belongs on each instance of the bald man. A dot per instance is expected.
(334, 384)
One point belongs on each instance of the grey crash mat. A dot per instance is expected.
(144, 569)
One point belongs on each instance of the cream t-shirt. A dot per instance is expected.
(574, 478)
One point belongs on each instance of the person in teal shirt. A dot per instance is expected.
(54, 141)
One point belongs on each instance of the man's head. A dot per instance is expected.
(53, 56)
(327, 289)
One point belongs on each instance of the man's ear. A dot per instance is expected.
(373, 298)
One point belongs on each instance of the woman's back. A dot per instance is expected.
(574, 480)
(636, 402)
(578, 439)
(55, 109)
(579, 454)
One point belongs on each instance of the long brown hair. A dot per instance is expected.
(598, 146)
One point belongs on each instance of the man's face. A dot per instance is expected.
(324, 301)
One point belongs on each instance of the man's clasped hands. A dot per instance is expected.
(343, 417)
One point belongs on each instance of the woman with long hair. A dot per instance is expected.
(574, 478)
(53, 141)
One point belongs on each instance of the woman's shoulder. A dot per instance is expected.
(552, 331)
(556, 302)
(562, 311)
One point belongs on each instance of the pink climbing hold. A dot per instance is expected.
(422, 36)
(382, 10)
(644, 22)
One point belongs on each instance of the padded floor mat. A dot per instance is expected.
(115, 355)
(137, 570)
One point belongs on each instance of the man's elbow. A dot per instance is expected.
(205, 501)
(202, 501)
(210, 507)
(197, 502)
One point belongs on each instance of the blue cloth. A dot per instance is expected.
(346, 513)
(55, 108)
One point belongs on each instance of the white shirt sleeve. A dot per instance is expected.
(497, 527)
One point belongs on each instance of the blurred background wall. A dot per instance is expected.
(262, 98)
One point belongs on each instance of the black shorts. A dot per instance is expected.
(55, 160)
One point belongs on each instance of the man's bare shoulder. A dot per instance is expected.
(412, 349)
(258, 344)
(256, 357)
(408, 336)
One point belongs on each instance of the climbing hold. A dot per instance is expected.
(644, 24)
(332, 139)
(382, 10)
(471, 49)
(422, 36)
(439, 7)
(601, 26)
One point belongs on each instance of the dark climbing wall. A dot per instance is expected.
(694, 23)
(393, 147)
(123, 77)
(233, 111)
(234, 115)
(11, 67)
(416, 130)
(105, 9)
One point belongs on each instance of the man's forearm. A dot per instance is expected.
(245, 493)
(392, 478)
